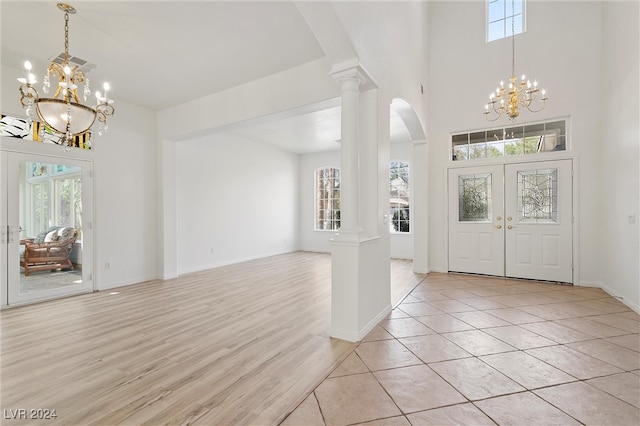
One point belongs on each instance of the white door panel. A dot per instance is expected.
(538, 208)
(476, 233)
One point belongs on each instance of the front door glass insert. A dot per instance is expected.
(474, 198)
(537, 196)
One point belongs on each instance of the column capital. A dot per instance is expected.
(350, 71)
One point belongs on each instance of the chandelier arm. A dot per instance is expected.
(544, 103)
(104, 111)
(28, 95)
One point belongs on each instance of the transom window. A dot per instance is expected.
(327, 211)
(399, 196)
(516, 140)
(501, 15)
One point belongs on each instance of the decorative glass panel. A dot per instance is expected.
(538, 196)
(474, 198)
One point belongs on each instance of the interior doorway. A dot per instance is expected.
(513, 220)
(47, 231)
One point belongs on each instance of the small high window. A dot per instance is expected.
(504, 18)
(399, 196)
(327, 211)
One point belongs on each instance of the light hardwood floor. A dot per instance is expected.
(241, 344)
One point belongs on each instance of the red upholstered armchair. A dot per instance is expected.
(50, 253)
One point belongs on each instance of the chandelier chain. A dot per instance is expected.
(513, 37)
(66, 36)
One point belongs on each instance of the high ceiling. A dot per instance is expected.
(159, 54)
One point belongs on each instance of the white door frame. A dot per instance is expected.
(36, 151)
(575, 158)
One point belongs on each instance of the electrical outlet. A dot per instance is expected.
(632, 218)
(212, 250)
(107, 265)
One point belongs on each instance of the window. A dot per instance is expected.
(55, 194)
(327, 181)
(399, 196)
(504, 18)
(516, 140)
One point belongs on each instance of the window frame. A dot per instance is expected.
(332, 214)
(499, 142)
(393, 229)
(505, 20)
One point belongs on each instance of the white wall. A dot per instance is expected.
(561, 49)
(235, 196)
(619, 150)
(125, 198)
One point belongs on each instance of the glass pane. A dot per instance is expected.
(37, 169)
(495, 149)
(327, 212)
(537, 196)
(496, 30)
(399, 196)
(496, 10)
(51, 215)
(474, 198)
(517, 7)
(478, 150)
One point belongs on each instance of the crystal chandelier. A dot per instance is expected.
(63, 113)
(522, 94)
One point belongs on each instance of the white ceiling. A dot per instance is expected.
(158, 54)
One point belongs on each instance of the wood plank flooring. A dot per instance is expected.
(241, 344)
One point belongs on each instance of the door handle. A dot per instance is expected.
(509, 218)
(499, 218)
(511, 227)
(498, 226)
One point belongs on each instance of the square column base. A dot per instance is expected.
(360, 287)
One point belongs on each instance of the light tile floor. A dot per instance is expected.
(471, 350)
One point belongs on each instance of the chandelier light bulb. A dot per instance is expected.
(27, 65)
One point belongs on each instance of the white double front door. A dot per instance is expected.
(512, 220)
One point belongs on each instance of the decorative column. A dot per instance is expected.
(359, 274)
(350, 80)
